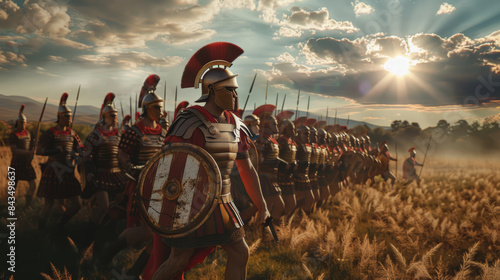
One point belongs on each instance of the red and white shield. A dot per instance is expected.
(178, 189)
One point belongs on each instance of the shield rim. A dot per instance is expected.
(208, 164)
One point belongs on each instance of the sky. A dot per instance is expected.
(372, 60)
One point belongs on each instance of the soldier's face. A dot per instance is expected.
(313, 137)
(65, 119)
(111, 119)
(155, 111)
(304, 136)
(21, 125)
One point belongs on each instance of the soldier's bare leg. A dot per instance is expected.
(317, 195)
(136, 236)
(324, 193)
(290, 203)
(31, 192)
(174, 265)
(76, 205)
(100, 208)
(237, 260)
(276, 205)
(308, 200)
(44, 213)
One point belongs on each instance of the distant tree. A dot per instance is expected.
(443, 124)
(475, 126)
(415, 124)
(395, 125)
(405, 124)
(461, 129)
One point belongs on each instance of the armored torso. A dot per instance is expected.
(288, 150)
(105, 152)
(148, 146)
(268, 152)
(221, 139)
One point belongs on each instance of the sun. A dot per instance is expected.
(398, 66)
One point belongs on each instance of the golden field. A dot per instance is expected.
(446, 229)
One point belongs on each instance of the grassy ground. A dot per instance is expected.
(446, 229)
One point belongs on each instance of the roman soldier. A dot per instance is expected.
(315, 154)
(101, 175)
(164, 123)
(62, 144)
(384, 158)
(323, 165)
(22, 154)
(409, 171)
(219, 132)
(137, 145)
(253, 124)
(126, 123)
(269, 160)
(303, 191)
(288, 151)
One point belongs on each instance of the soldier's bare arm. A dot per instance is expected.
(252, 185)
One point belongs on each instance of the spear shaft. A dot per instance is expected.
(267, 85)
(121, 105)
(277, 94)
(396, 148)
(335, 120)
(283, 104)
(308, 101)
(249, 92)
(297, 108)
(348, 116)
(425, 156)
(130, 106)
(38, 125)
(327, 115)
(76, 104)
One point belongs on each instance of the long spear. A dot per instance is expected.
(175, 98)
(308, 101)
(38, 125)
(131, 106)
(396, 148)
(76, 104)
(335, 120)
(135, 106)
(121, 105)
(425, 156)
(297, 108)
(283, 104)
(265, 102)
(249, 92)
(327, 115)
(277, 94)
(348, 121)
(165, 93)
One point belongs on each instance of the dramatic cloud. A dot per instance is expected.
(269, 7)
(130, 60)
(137, 22)
(361, 8)
(317, 20)
(445, 8)
(443, 71)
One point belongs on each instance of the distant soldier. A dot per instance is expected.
(102, 176)
(315, 155)
(22, 154)
(62, 145)
(164, 121)
(253, 124)
(409, 171)
(304, 193)
(126, 123)
(384, 158)
(269, 160)
(288, 152)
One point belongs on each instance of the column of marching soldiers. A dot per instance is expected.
(301, 163)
